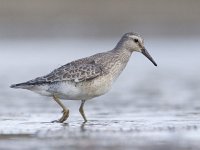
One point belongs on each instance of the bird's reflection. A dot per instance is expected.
(82, 127)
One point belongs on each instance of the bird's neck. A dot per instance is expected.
(120, 45)
(121, 58)
(122, 53)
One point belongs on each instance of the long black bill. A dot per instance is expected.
(146, 53)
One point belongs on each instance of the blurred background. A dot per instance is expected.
(37, 36)
(98, 19)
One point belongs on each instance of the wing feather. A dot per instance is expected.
(76, 71)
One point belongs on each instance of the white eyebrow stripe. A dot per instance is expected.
(133, 36)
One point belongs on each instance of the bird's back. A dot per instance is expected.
(75, 71)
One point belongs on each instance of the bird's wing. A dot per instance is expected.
(76, 71)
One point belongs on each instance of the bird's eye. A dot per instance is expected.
(136, 40)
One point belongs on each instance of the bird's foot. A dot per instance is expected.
(63, 118)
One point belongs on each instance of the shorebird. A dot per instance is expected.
(89, 77)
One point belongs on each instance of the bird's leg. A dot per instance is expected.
(65, 110)
(82, 111)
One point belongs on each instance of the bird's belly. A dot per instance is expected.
(80, 91)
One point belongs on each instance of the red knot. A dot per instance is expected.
(89, 77)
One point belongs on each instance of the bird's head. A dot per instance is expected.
(134, 42)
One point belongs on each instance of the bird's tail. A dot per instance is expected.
(21, 86)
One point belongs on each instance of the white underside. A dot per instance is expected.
(71, 91)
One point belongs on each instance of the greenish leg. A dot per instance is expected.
(65, 110)
(81, 110)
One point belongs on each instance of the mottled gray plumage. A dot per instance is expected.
(76, 71)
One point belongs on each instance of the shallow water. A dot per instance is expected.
(148, 107)
(139, 131)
